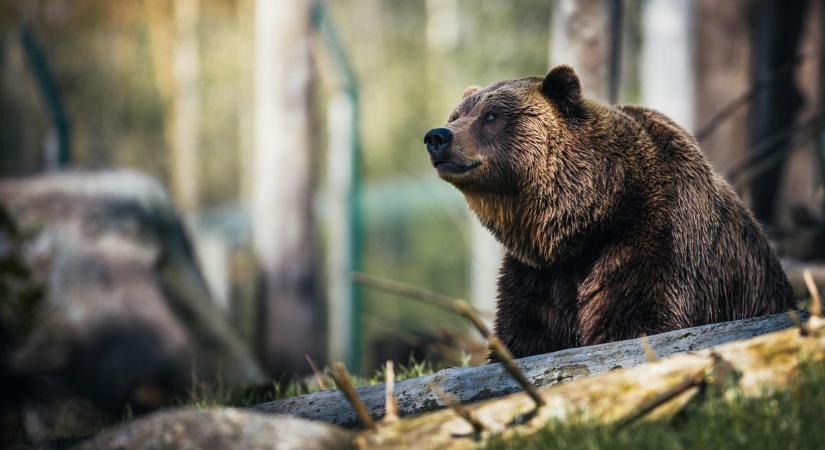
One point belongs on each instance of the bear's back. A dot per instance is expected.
(720, 252)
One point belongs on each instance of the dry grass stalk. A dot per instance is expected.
(456, 406)
(650, 355)
(406, 290)
(342, 380)
(816, 302)
(468, 312)
(463, 309)
(410, 291)
(506, 358)
(319, 377)
(690, 382)
(390, 403)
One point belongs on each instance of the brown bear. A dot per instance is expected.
(615, 224)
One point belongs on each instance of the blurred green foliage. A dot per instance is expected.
(244, 396)
(114, 64)
(410, 80)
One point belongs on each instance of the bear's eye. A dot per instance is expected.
(489, 117)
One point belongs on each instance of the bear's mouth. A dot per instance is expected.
(449, 167)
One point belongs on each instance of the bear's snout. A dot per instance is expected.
(438, 140)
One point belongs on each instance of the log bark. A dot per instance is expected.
(484, 382)
(755, 367)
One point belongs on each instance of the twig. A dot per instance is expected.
(688, 383)
(506, 358)
(465, 310)
(451, 401)
(409, 291)
(342, 380)
(319, 378)
(390, 402)
(394, 331)
(404, 289)
(816, 302)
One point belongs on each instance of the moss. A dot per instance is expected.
(789, 419)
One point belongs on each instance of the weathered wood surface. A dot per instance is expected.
(751, 368)
(479, 383)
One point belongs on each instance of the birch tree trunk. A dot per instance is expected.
(667, 71)
(185, 107)
(283, 225)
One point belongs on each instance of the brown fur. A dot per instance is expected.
(615, 225)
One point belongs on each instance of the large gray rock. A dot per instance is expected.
(125, 315)
(221, 429)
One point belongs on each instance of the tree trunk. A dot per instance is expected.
(803, 169)
(667, 78)
(723, 73)
(579, 38)
(185, 108)
(283, 225)
(776, 37)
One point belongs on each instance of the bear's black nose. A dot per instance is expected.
(437, 140)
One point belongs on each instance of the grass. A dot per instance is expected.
(791, 419)
(204, 397)
(207, 397)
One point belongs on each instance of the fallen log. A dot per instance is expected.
(478, 383)
(752, 368)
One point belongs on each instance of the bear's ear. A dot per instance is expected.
(470, 91)
(561, 86)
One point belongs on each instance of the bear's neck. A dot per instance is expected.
(519, 225)
(525, 227)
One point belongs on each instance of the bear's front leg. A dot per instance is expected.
(536, 309)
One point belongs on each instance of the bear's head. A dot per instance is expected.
(532, 158)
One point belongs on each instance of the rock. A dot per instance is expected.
(125, 316)
(219, 429)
